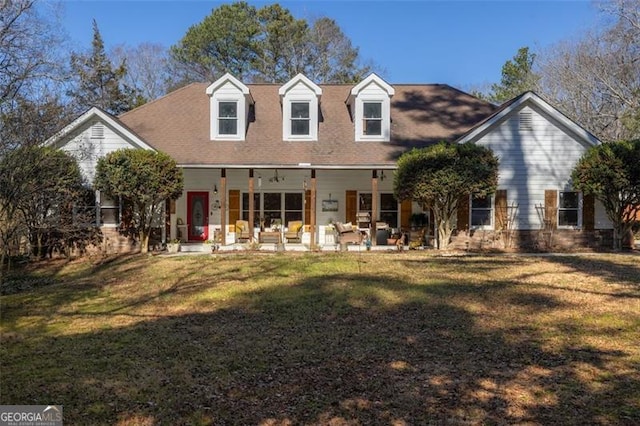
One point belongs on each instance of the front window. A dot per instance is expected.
(372, 117)
(568, 209)
(274, 205)
(481, 211)
(388, 208)
(228, 118)
(300, 118)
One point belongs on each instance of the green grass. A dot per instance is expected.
(403, 338)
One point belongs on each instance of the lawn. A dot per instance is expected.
(327, 339)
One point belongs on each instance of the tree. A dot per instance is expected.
(29, 73)
(144, 180)
(225, 41)
(437, 176)
(517, 77)
(283, 45)
(332, 57)
(611, 172)
(40, 191)
(596, 79)
(99, 83)
(148, 69)
(266, 45)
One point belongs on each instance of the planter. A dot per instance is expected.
(173, 247)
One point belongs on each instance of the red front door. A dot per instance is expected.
(198, 216)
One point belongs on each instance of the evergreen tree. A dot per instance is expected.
(99, 83)
(517, 77)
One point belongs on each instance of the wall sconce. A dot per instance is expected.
(215, 189)
(382, 175)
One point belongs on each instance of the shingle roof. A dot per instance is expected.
(178, 124)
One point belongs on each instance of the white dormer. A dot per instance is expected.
(229, 108)
(300, 99)
(370, 102)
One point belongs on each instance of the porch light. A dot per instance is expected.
(215, 189)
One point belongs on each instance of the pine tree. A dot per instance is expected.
(517, 77)
(99, 83)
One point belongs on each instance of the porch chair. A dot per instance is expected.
(242, 231)
(346, 234)
(293, 234)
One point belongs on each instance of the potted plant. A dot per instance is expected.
(173, 246)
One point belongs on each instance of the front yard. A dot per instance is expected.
(341, 338)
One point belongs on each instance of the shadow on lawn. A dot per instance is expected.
(344, 349)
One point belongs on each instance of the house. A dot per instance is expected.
(300, 152)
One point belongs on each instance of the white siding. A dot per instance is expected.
(88, 150)
(532, 161)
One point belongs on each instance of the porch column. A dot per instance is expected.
(223, 205)
(312, 221)
(374, 206)
(251, 205)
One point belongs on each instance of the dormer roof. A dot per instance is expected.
(228, 78)
(300, 78)
(370, 79)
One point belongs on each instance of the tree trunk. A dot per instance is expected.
(144, 242)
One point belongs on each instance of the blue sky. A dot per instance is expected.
(461, 43)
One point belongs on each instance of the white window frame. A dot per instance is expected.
(306, 119)
(221, 118)
(287, 119)
(240, 117)
(492, 213)
(373, 119)
(385, 119)
(578, 209)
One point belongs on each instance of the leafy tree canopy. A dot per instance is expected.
(437, 176)
(266, 45)
(611, 172)
(142, 177)
(517, 77)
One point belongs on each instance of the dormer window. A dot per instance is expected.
(228, 118)
(300, 109)
(372, 121)
(370, 103)
(300, 118)
(230, 102)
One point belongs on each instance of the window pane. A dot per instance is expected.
(228, 126)
(365, 202)
(272, 201)
(293, 201)
(388, 202)
(390, 218)
(299, 127)
(292, 215)
(299, 110)
(228, 109)
(481, 217)
(373, 127)
(481, 202)
(372, 110)
(568, 218)
(569, 200)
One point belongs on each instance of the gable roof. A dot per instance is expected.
(178, 124)
(515, 104)
(104, 117)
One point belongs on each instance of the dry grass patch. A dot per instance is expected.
(371, 338)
